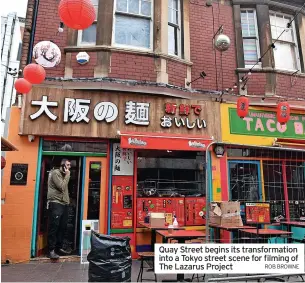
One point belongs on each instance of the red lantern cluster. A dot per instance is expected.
(77, 14)
(33, 74)
(242, 107)
(283, 112)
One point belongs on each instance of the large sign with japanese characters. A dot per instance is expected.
(78, 113)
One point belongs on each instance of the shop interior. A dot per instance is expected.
(173, 182)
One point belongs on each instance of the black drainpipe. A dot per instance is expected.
(32, 37)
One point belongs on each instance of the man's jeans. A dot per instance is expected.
(58, 220)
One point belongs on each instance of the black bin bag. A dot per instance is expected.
(109, 259)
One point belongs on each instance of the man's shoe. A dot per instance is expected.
(66, 252)
(53, 255)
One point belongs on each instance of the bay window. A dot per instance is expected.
(88, 36)
(250, 37)
(174, 30)
(286, 46)
(133, 23)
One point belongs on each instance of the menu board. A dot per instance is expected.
(123, 160)
(122, 206)
(258, 213)
(169, 206)
(195, 211)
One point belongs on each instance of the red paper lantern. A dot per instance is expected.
(34, 73)
(242, 107)
(23, 86)
(283, 112)
(77, 14)
(3, 162)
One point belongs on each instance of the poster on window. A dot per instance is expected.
(123, 159)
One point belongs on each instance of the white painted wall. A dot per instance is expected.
(10, 42)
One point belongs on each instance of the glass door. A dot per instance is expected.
(245, 181)
(94, 197)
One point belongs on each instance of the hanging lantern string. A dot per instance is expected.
(244, 79)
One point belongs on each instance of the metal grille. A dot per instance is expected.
(261, 174)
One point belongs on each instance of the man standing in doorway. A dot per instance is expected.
(58, 204)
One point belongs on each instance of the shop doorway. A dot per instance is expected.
(72, 237)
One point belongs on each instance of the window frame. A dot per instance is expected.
(179, 29)
(80, 33)
(294, 43)
(150, 18)
(258, 51)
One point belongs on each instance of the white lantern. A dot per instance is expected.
(82, 58)
(222, 42)
(47, 54)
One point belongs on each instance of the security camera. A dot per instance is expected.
(31, 138)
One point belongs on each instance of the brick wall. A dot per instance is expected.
(142, 67)
(133, 67)
(256, 84)
(84, 71)
(46, 29)
(284, 87)
(176, 73)
(202, 50)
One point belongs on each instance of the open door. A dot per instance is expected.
(95, 193)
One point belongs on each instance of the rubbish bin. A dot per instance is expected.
(109, 259)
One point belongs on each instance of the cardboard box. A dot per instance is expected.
(157, 219)
(225, 213)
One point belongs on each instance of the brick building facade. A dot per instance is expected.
(199, 23)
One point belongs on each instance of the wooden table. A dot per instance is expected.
(227, 228)
(153, 232)
(181, 236)
(266, 233)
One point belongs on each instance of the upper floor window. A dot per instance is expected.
(250, 37)
(286, 46)
(174, 30)
(133, 23)
(88, 36)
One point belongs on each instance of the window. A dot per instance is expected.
(133, 23)
(88, 36)
(286, 46)
(250, 37)
(19, 51)
(174, 27)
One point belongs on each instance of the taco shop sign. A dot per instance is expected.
(264, 123)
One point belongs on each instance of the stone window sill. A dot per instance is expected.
(269, 70)
(95, 48)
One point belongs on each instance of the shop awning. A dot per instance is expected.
(289, 143)
(162, 141)
(6, 145)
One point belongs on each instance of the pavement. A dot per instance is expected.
(75, 272)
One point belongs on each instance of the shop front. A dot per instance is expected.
(265, 161)
(131, 154)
